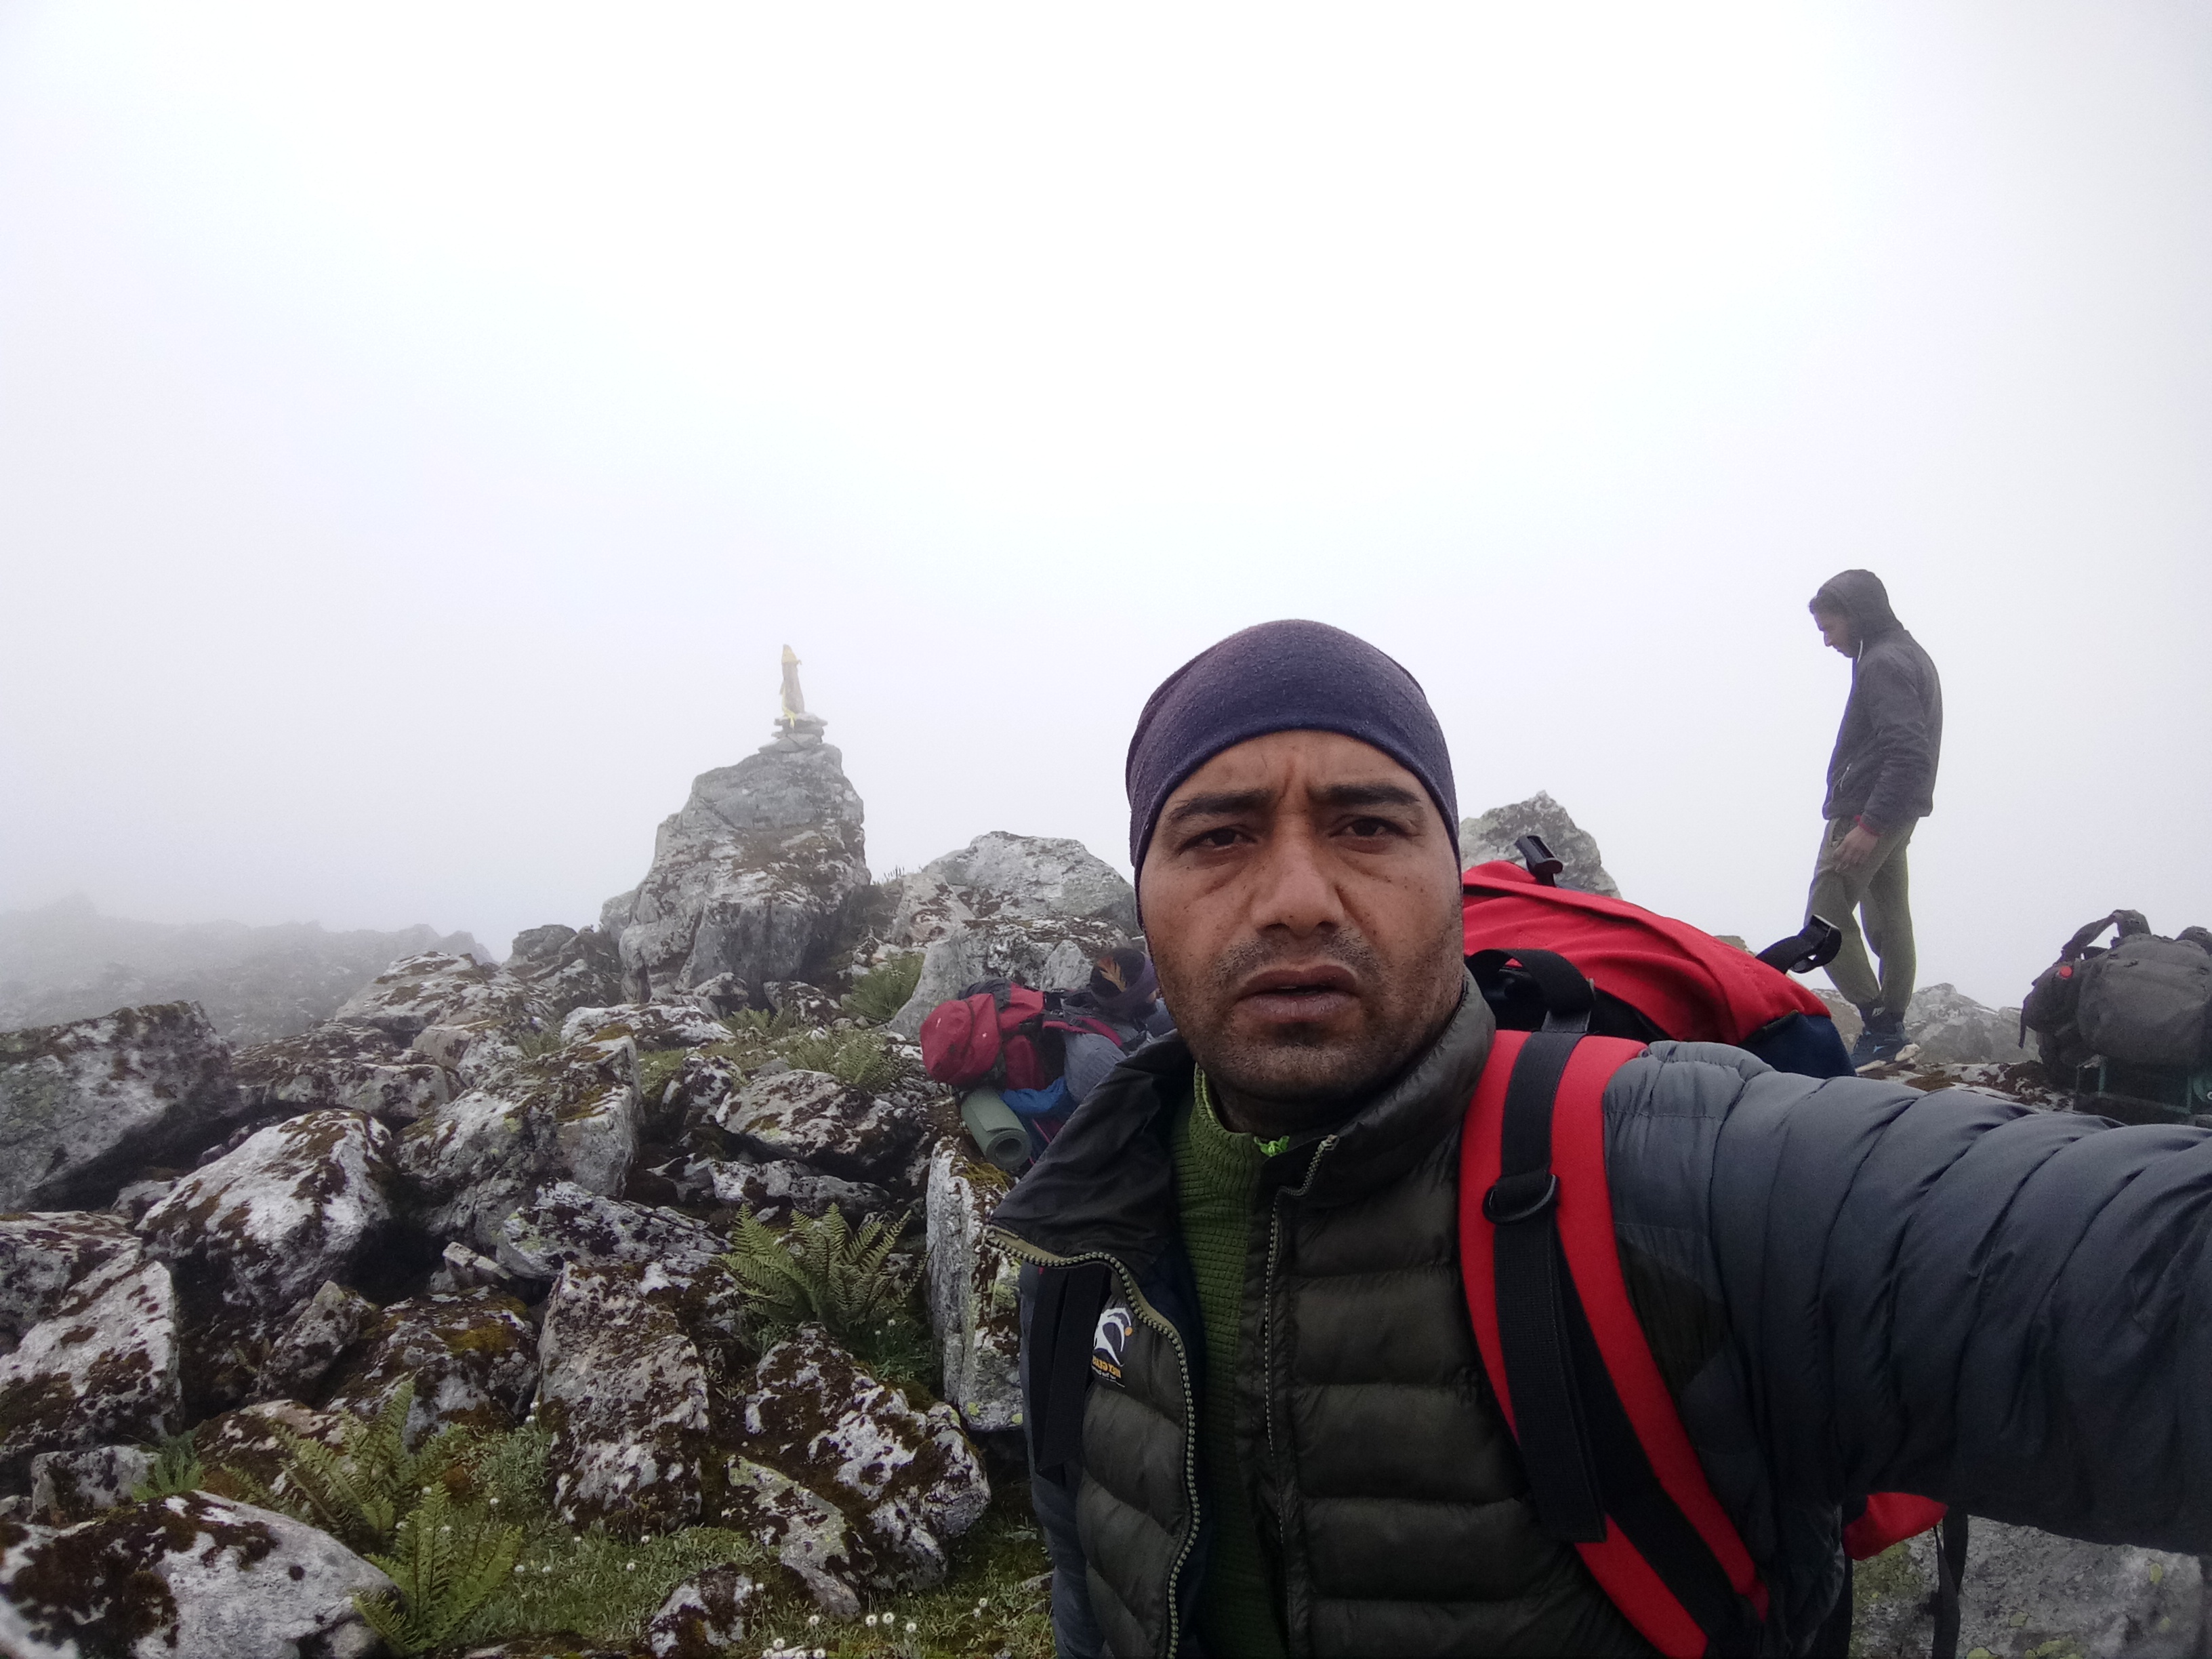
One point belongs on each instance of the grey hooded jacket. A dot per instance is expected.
(1883, 768)
(1849, 1287)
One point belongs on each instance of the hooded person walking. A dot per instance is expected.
(1882, 782)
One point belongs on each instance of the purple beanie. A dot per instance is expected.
(1281, 677)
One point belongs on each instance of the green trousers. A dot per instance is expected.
(1871, 905)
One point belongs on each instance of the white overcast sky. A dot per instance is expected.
(420, 427)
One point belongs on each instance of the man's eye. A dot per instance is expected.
(1371, 829)
(1225, 836)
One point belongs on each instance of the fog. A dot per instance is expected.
(421, 427)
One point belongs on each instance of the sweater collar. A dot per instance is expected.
(1106, 1182)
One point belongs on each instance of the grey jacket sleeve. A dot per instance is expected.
(1949, 1294)
(1898, 736)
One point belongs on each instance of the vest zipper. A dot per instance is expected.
(1267, 1350)
(1023, 1251)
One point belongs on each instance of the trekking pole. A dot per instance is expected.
(1950, 1571)
(1542, 862)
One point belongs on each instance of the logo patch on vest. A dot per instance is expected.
(1108, 1341)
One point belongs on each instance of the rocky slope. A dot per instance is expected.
(474, 1265)
(67, 962)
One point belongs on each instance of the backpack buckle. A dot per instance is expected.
(1520, 1197)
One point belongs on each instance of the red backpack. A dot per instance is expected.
(1610, 1468)
(1542, 954)
(998, 1030)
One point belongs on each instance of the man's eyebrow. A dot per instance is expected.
(1222, 804)
(1367, 794)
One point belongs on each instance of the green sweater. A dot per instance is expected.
(1216, 1178)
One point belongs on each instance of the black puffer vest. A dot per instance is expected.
(1389, 1493)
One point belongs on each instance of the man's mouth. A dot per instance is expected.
(1299, 996)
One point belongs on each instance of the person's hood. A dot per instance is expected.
(1859, 595)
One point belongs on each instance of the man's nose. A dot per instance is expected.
(1292, 886)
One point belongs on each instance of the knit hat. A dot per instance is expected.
(1281, 677)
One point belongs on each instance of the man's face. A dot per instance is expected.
(1835, 631)
(1302, 903)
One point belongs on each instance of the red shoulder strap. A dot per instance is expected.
(1684, 1542)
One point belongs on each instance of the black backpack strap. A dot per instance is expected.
(1568, 997)
(1068, 1302)
(1578, 1447)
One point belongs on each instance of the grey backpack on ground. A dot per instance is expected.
(2128, 1027)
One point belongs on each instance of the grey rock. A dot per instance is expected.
(303, 1354)
(253, 1235)
(569, 1116)
(808, 1533)
(813, 1118)
(132, 1202)
(66, 962)
(623, 1392)
(101, 1366)
(566, 1224)
(777, 1191)
(974, 1291)
(908, 1479)
(43, 1255)
(351, 1067)
(570, 967)
(255, 1442)
(1034, 908)
(460, 1268)
(1954, 1030)
(1492, 835)
(83, 1106)
(702, 1617)
(438, 987)
(193, 1574)
(70, 1486)
(755, 877)
(2027, 1591)
(651, 1025)
(471, 1355)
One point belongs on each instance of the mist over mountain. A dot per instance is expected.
(67, 961)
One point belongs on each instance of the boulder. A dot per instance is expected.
(1492, 835)
(436, 987)
(100, 1365)
(1954, 1030)
(570, 1115)
(472, 1357)
(41, 1255)
(1034, 908)
(193, 1574)
(702, 1617)
(623, 1392)
(85, 1105)
(756, 876)
(352, 1067)
(908, 1477)
(800, 1003)
(303, 1353)
(565, 1225)
(2029, 1592)
(460, 1268)
(974, 1287)
(807, 1533)
(253, 1235)
(775, 1192)
(649, 1025)
(813, 1118)
(132, 1202)
(570, 967)
(68, 1486)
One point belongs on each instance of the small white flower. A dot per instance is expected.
(494, 1502)
(630, 1567)
(871, 1621)
(815, 1619)
(909, 1627)
(820, 1654)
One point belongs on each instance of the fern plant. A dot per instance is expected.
(446, 1563)
(859, 1058)
(359, 1492)
(176, 1469)
(819, 1273)
(884, 989)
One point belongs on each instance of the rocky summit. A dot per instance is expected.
(632, 1298)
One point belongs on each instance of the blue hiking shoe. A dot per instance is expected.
(1881, 1040)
